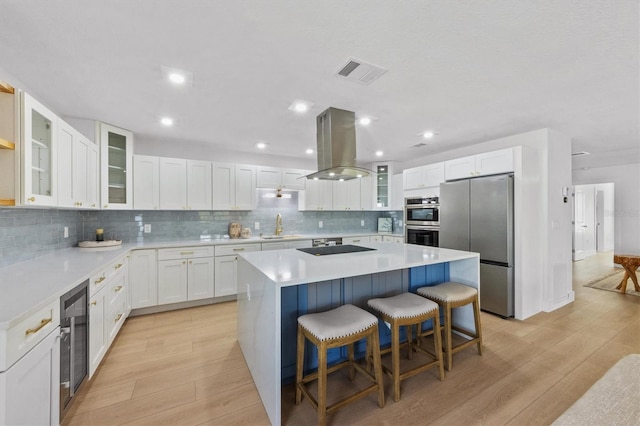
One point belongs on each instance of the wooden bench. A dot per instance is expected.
(630, 263)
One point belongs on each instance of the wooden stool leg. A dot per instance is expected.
(299, 365)
(623, 284)
(447, 335)
(476, 319)
(634, 278)
(410, 340)
(322, 384)
(437, 344)
(374, 341)
(395, 359)
(352, 369)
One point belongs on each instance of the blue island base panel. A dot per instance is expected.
(323, 296)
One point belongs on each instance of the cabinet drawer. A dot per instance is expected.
(184, 252)
(99, 279)
(115, 318)
(29, 332)
(116, 286)
(230, 249)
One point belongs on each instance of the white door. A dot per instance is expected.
(584, 222)
(172, 281)
(173, 184)
(226, 282)
(200, 278)
(143, 277)
(146, 182)
(600, 240)
(198, 185)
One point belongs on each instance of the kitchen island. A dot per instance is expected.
(276, 287)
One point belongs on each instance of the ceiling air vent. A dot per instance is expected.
(361, 72)
(578, 154)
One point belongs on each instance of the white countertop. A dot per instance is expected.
(32, 284)
(293, 267)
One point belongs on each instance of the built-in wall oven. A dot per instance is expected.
(74, 344)
(422, 221)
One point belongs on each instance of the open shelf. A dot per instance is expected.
(40, 144)
(116, 148)
(5, 144)
(117, 185)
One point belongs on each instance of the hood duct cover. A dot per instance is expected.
(337, 146)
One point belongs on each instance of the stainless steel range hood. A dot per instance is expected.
(337, 146)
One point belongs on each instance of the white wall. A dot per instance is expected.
(626, 212)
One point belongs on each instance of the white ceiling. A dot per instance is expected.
(470, 70)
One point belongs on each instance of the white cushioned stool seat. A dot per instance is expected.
(404, 305)
(448, 292)
(336, 323)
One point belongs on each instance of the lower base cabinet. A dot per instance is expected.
(29, 389)
(226, 270)
(185, 273)
(143, 278)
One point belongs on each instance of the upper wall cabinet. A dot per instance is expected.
(383, 189)
(77, 169)
(116, 181)
(199, 185)
(146, 182)
(39, 153)
(275, 177)
(423, 176)
(234, 186)
(346, 195)
(173, 184)
(318, 195)
(488, 163)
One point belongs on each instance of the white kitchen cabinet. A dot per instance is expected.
(318, 195)
(173, 184)
(488, 163)
(281, 245)
(199, 185)
(146, 182)
(39, 154)
(383, 191)
(392, 239)
(366, 192)
(376, 238)
(185, 273)
(108, 308)
(234, 187)
(275, 177)
(346, 195)
(143, 278)
(356, 240)
(397, 200)
(226, 270)
(116, 154)
(98, 340)
(426, 176)
(30, 388)
(77, 169)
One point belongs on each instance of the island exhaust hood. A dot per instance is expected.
(337, 146)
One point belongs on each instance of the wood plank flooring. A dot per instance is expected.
(186, 368)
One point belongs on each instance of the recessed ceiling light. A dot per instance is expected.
(379, 153)
(309, 151)
(428, 134)
(261, 145)
(300, 106)
(364, 121)
(166, 121)
(177, 78)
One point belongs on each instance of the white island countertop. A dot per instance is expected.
(293, 267)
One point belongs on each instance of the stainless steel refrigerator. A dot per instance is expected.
(477, 215)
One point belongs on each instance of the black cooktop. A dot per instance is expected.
(324, 250)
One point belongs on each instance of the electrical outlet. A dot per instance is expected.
(362, 223)
(320, 224)
(256, 226)
(66, 232)
(147, 228)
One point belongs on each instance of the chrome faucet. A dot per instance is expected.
(278, 224)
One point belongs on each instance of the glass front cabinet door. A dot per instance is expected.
(39, 147)
(116, 172)
(383, 187)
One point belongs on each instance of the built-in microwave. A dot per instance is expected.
(422, 235)
(422, 211)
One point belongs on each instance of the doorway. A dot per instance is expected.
(593, 219)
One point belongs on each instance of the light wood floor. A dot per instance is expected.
(185, 368)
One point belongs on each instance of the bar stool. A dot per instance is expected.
(343, 326)
(451, 295)
(408, 309)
